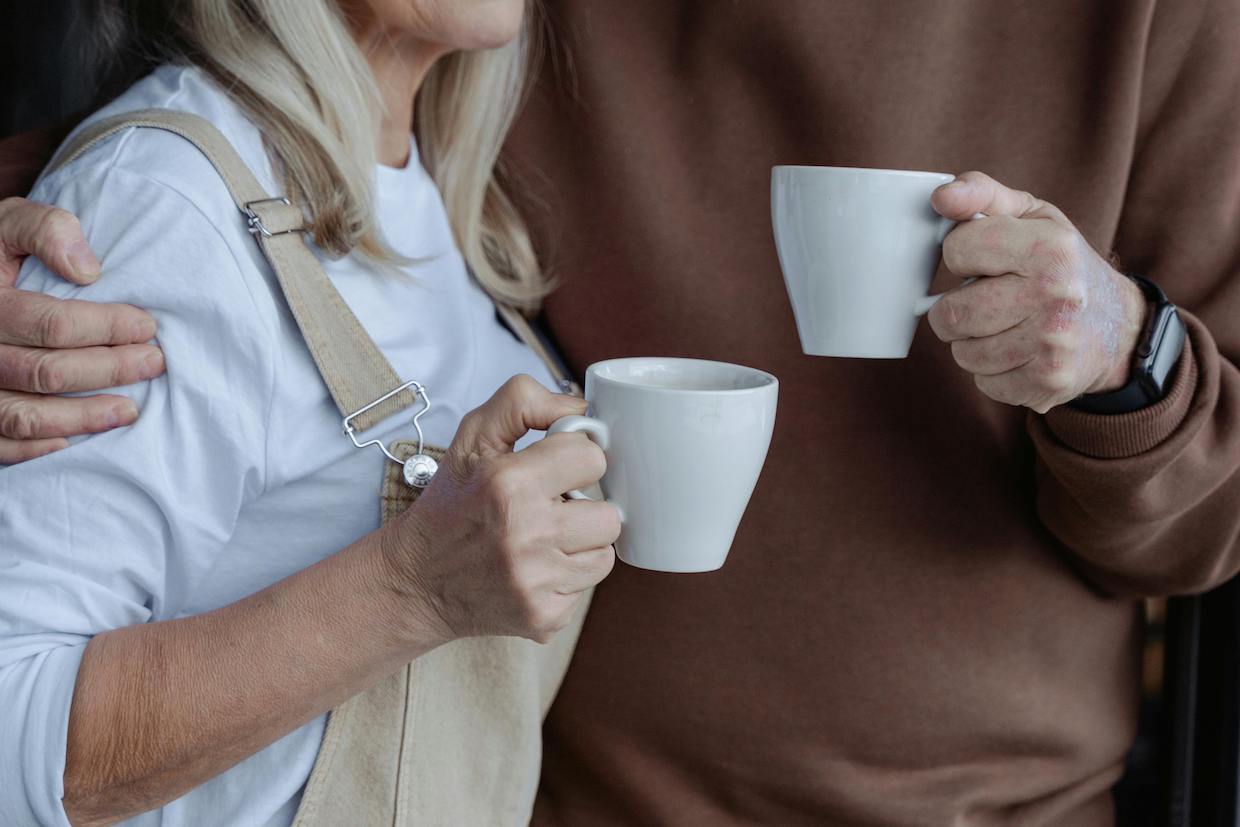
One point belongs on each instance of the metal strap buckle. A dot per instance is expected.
(256, 222)
(420, 468)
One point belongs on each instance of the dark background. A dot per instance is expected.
(47, 64)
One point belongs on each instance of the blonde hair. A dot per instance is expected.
(296, 70)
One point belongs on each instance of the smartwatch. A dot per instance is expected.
(1158, 352)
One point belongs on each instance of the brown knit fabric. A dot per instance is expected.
(928, 616)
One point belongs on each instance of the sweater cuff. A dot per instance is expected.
(1117, 436)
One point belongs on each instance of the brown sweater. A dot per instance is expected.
(928, 616)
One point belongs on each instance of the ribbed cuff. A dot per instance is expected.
(1116, 436)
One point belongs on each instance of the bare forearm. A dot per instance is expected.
(160, 708)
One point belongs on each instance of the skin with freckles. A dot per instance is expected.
(1049, 318)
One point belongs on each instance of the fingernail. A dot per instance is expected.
(122, 414)
(82, 259)
(153, 365)
(144, 329)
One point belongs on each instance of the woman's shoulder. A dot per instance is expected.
(157, 212)
(166, 159)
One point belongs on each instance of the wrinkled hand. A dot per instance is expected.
(491, 547)
(50, 346)
(1049, 319)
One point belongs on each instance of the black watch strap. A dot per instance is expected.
(1158, 352)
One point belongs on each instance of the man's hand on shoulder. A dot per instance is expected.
(50, 346)
(1049, 319)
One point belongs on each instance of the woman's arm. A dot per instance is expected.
(119, 529)
(490, 549)
(160, 708)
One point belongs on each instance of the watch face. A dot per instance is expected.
(1157, 354)
(1165, 345)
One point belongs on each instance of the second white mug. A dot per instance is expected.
(858, 249)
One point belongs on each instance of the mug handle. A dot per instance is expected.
(922, 306)
(595, 429)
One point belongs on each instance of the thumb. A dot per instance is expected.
(519, 406)
(51, 235)
(976, 192)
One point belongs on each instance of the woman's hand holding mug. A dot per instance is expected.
(491, 547)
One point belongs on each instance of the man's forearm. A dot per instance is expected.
(163, 707)
(1147, 500)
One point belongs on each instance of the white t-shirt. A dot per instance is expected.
(237, 473)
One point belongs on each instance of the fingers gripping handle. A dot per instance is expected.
(595, 429)
(922, 306)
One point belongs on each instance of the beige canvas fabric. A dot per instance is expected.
(454, 738)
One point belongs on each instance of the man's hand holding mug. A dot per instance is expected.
(1041, 320)
(1049, 319)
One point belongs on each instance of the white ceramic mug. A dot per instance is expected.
(685, 441)
(858, 249)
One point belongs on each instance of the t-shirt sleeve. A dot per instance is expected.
(115, 529)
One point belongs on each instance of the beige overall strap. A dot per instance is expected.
(354, 369)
